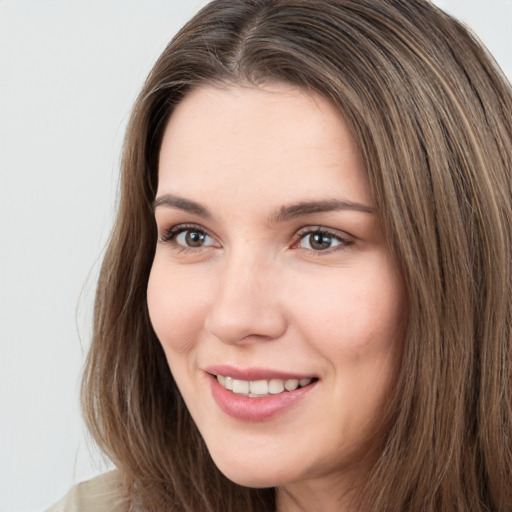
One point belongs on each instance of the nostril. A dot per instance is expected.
(245, 306)
(245, 323)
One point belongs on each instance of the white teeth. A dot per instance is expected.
(240, 387)
(275, 386)
(291, 384)
(259, 388)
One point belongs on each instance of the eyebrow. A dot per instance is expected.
(181, 203)
(282, 214)
(311, 207)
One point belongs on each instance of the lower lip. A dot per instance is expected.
(257, 409)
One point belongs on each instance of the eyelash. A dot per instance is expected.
(344, 242)
(169, 237)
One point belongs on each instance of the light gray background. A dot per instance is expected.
(69, 73)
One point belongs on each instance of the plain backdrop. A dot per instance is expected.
(69, 73)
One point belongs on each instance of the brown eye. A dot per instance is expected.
(193, 238)
(321, 241)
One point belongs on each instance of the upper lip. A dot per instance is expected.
(253, 373)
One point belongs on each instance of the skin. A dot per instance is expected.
(257, 291)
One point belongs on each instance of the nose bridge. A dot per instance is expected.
(246, 303)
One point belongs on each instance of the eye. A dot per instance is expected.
(193, 238)
(188, 237)
(321, 240)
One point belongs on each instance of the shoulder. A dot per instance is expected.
(96, 495)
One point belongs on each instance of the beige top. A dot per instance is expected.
(96, 495)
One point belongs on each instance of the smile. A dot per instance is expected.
(260, 388)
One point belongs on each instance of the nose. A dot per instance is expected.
(246, 306)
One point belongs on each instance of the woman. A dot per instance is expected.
(314, 236)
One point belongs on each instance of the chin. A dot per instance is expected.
(250, 473)
(250, 478)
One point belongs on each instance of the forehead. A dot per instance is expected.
(275, 140)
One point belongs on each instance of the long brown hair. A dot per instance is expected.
(433, 116)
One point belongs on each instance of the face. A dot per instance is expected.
(273, 291)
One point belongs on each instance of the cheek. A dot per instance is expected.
(358, 314)
(355, 323)
(175, 309)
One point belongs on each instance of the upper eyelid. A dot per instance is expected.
(322, 229)
(179, 228)
(170, 235)
(176, 229)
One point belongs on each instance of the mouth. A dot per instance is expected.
(263, 387)
(258, 394)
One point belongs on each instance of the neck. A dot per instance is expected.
(314, 496)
